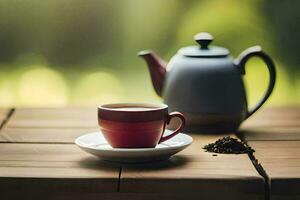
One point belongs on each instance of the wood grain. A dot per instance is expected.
(54, 118)
(42, 135)
(49, 125)
(270, 134)
(282, 123)
(40, 168)
(274, 117)
(37, 157)
(281, 161)
(196, 172)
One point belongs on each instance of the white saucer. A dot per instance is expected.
(96, 144)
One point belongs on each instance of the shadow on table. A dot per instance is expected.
(95, 163)
(173, 162)
(270, 134)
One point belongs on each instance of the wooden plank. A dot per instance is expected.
(81, 193)
(271, 133)
(53, 118)
(64, 120)
(36, 113)
(274, 117)
(49, 125)
(71, 189)
(269, 122)
(193, 173)
(175, 195)
(281, 161)
(43, 135)
(282, 123)
(57, 170)
(26, 156)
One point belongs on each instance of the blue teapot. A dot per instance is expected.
(205, 83)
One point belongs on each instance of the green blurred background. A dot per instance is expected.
(83, 52)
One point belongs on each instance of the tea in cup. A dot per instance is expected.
(135, 125)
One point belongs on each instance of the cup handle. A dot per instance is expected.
(170, 116)
(241, 62)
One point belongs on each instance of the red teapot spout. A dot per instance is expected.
(157, 68)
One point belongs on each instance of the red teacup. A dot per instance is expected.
(133, 125)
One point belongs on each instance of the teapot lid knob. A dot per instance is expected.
(204, 39)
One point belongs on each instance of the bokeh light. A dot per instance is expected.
(62, 52)
(41, 86)
(7, 96)
(97, 88)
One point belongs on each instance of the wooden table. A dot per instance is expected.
(38, 160)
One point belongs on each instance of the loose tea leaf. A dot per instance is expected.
(228, 145)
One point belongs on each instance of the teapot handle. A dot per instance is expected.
(241, 62)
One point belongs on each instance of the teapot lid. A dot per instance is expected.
(204, 39)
